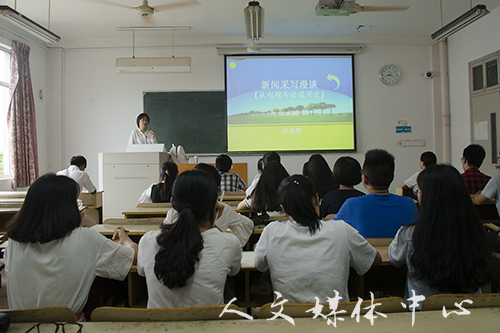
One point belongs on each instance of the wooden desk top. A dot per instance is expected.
(13, 194)
(9, 210)
(132, 229)
(233, 196)
(145, 212)
(484, 319)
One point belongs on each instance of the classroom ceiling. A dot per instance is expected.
(95, 19)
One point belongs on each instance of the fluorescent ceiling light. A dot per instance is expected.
(460, 22)
(153, 65)
(22, 22)
(292, 49)
(154, 28)
(254, 20)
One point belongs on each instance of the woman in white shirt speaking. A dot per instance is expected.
(141, 135)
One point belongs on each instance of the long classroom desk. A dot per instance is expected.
(486, 320)
(140, 212)
(247, 265)
(132, 230)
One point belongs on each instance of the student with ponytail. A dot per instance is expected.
(161, 192)
(186, 263)
(308, 257)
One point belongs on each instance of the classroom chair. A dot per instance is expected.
(436, 302)
(46, 313)
(154, 205)
(375, 242)
(124, 222)
(296, 310)
(329, 217)
(208, 312)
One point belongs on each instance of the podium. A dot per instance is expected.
(124, 176)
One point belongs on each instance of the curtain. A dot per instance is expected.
(21, 119)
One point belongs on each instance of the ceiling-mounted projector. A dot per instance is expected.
(335, 7)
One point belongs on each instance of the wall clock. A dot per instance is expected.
(389, 75)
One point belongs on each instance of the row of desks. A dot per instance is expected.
(247, 261)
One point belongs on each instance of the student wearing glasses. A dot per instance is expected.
(50, 259)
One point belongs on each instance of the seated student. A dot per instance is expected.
(161, 192)
(270, 156)
(427, 159)
(379, 214)
(307, 257)
(264, 197)
(472, 158)
(76, 171)
(490, 192)
(227, 218)
(446, 250)
(186, 263)
(319, 172)
(229, 181)
(347, 173)
(50, 260)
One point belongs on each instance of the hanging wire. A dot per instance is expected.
(15, 5)
(173, 44)
(441, 11)
(133, 43)
(48, 25)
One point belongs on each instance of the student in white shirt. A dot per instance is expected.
(50, 260)
(76, 171)
(308, 257)
(161, 192)
(186, 263)
(427, 159)
(141, 135)
(226, 218)
(270, 156)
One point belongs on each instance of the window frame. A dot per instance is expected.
(6, 153)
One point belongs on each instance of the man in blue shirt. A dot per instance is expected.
(379, 214)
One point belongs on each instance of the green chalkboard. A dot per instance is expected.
(195, 120)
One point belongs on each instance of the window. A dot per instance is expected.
(484, 74)
(4, 105)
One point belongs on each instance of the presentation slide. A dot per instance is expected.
(290, 103)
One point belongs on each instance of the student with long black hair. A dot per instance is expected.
(264, 197)
(227, 218)
(319, 172)
(306, 256)
(186, 263)
(161, 192)
(50, 259)
(446, 250)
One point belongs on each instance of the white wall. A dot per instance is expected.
(99, 107)
(475, 41)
